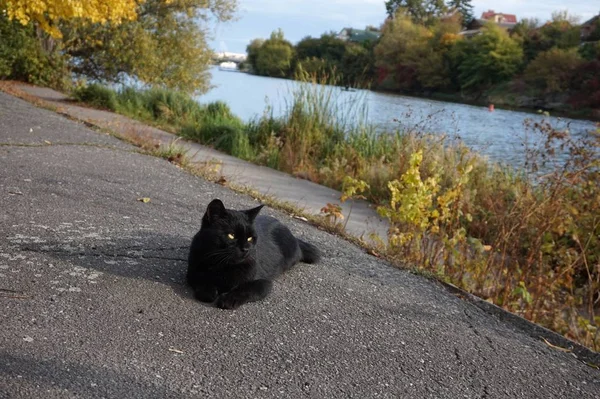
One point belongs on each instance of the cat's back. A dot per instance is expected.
(277, 248)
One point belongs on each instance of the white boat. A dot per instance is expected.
(228, 66)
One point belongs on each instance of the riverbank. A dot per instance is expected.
(502, 96)
(481, 216)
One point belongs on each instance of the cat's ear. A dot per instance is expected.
(252, 213)
(214, 210)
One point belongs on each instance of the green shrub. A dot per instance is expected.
(97, 95)
(23, 58)
(219, 109)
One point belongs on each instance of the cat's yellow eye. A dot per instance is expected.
(249, 239)
(231, 236)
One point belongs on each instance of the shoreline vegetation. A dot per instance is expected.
(529, 65)
(457, 98)
(526, 241)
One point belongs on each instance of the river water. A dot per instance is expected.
(499, 134)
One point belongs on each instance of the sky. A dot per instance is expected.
(300, 18)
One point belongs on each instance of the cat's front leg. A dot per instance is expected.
(205, 292)
(247, 292)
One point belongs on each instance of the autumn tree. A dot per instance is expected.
(552, 70)
(47, 14)
(398, 53)
(420, 11)
(489, 58)
(166, 45)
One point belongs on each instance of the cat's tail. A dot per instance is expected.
(310, 253)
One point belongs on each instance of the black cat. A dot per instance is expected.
(236, 254)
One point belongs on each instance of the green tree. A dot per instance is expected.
(595, 32)
(275, 56)
(357, 65)
(464, 7)
(489, 58)
(420, 11)
(414, 57)
(552, 70)
(402, 45)
(252, 51)
(166, 45)
(562, 32)
(590, 50)
(22, 56)
(434, 64)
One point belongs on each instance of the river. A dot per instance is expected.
(498, 134)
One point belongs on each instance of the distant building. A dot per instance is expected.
(499, 18)
(505, 21)
(588, 27)
(358, 35)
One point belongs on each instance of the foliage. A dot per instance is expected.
(594, 35)
(22, 56)
(420, 11)
(560, 32)
(465, 8)
(489, 58)
(327, 55)
(97, 95)
(48, 13)
(274, 56)
(252, 51)
(553, 70)
(416, 57)
(590, 50)
(165, 46)
(585, 85)
(400, 49)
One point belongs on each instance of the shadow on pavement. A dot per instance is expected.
(76, 378)
(141, 255)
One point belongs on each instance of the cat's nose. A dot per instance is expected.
(245, 250)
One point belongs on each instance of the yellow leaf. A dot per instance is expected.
(144, 199)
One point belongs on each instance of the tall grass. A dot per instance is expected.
(525, 240)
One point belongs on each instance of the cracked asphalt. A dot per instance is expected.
(93, 302)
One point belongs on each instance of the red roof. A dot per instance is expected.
(508, 18)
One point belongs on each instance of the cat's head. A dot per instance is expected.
(230, 230)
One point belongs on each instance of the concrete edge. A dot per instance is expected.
(536, 331)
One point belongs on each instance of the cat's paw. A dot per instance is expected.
(228, 301)
(206, 294)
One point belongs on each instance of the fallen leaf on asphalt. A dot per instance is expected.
(301, 218)
(47, 142)
(222, 181)
(27, 339)
(175, 350)
(144, 199)
(560, 348)
(15, 193)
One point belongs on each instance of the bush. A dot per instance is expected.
(23, 58)
(552, 70)
(219, 109)
(97, 95)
